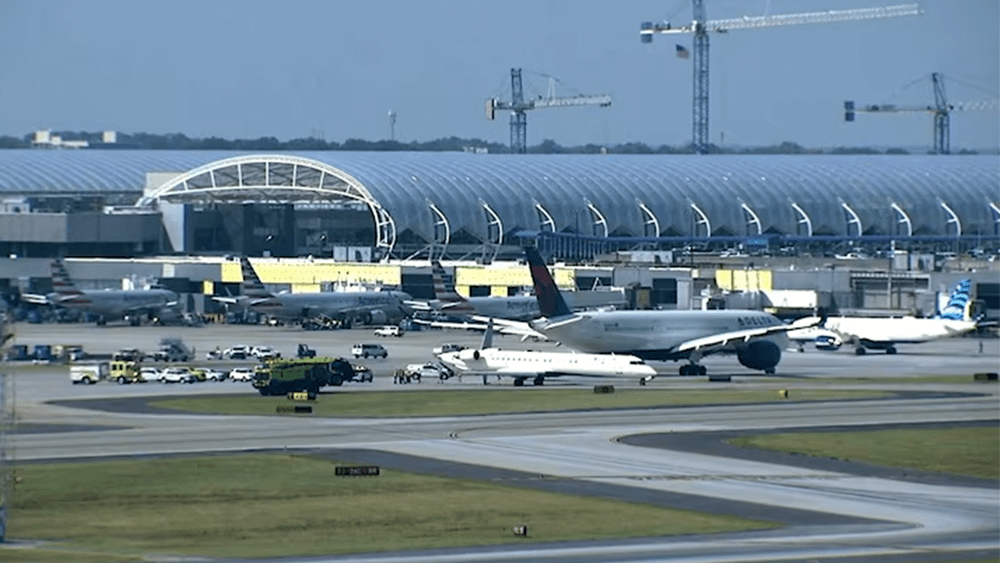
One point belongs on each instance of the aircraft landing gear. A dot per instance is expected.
(539, 380)
(890, 350)
(693, 369)
(860, 351)
(769, 371)
(519, 382)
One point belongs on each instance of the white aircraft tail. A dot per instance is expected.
(959, 307)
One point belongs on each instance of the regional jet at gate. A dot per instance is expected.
(106, 304)
(372, 307)
(886, 332)
(537, 366)
(756, 338)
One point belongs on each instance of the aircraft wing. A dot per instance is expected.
(500, 326)
(724, 339)
(36, 299)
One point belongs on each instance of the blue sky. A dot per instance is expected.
(252, 68)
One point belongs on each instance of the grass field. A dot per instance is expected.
(280, 505)
(961, 451)
(463, 402)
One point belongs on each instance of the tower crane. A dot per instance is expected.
(518, 106)
(941, 110)
(700, 27)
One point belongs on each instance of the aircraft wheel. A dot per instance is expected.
(890, 350)
(518, 383)
(702, 370)
(860, 351)
(539, 381)
(642, 382)
(769, 371)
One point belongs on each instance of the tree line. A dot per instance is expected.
(180, 141)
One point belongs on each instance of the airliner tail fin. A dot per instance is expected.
(550, 301)
(960, 303)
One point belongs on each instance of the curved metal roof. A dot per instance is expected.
(825, 187)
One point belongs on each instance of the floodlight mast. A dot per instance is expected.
(700, 28)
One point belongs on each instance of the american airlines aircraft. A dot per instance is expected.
(524, 364)
(520, 308)
(106, 304)
(885, 333)
(756, 338)
(375, 307)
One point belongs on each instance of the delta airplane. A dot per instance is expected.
(519, 308)
(376, 307)
(524, 364)
(756, 338)
(105, 303)
(885, 333)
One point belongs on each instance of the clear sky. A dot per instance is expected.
(252, 68)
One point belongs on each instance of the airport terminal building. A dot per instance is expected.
(363, 209)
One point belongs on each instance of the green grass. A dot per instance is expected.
(281, 505)
(467, 402)
(962, 451)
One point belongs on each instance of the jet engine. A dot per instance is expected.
(760, 354)
(376, 317)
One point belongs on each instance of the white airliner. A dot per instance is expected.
(885, 333)
(523, 307)
(106, 304)
(524, 364)
(374, 307)
(756, 338)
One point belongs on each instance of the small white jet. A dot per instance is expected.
(886, 332)
(530, 364)
(106, 304)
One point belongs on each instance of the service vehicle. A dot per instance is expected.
(369, 351)
(88, 374)
(173, 350)
(279, 377)
(240, 352)
(362, 374)
(149, 373)
(125, 371)
(304, 351)
(241, 374)
(128, 355)
(388, 330)
(178, 375)
(448, 347)
(264, 353)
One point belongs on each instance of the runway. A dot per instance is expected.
(831, 511)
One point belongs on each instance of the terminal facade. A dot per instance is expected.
(919, 217)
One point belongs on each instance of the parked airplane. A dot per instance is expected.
(886, 332)
(756, 338)
(106, 304)
(521, 308)
(524, 364)
(373, 307)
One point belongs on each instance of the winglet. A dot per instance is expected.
(550, 302)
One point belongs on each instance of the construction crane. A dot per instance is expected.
(518, 106)
(700, 27)
(941, 110)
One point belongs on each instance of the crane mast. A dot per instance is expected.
(519, 107)
(941, 110)
(700, 27)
